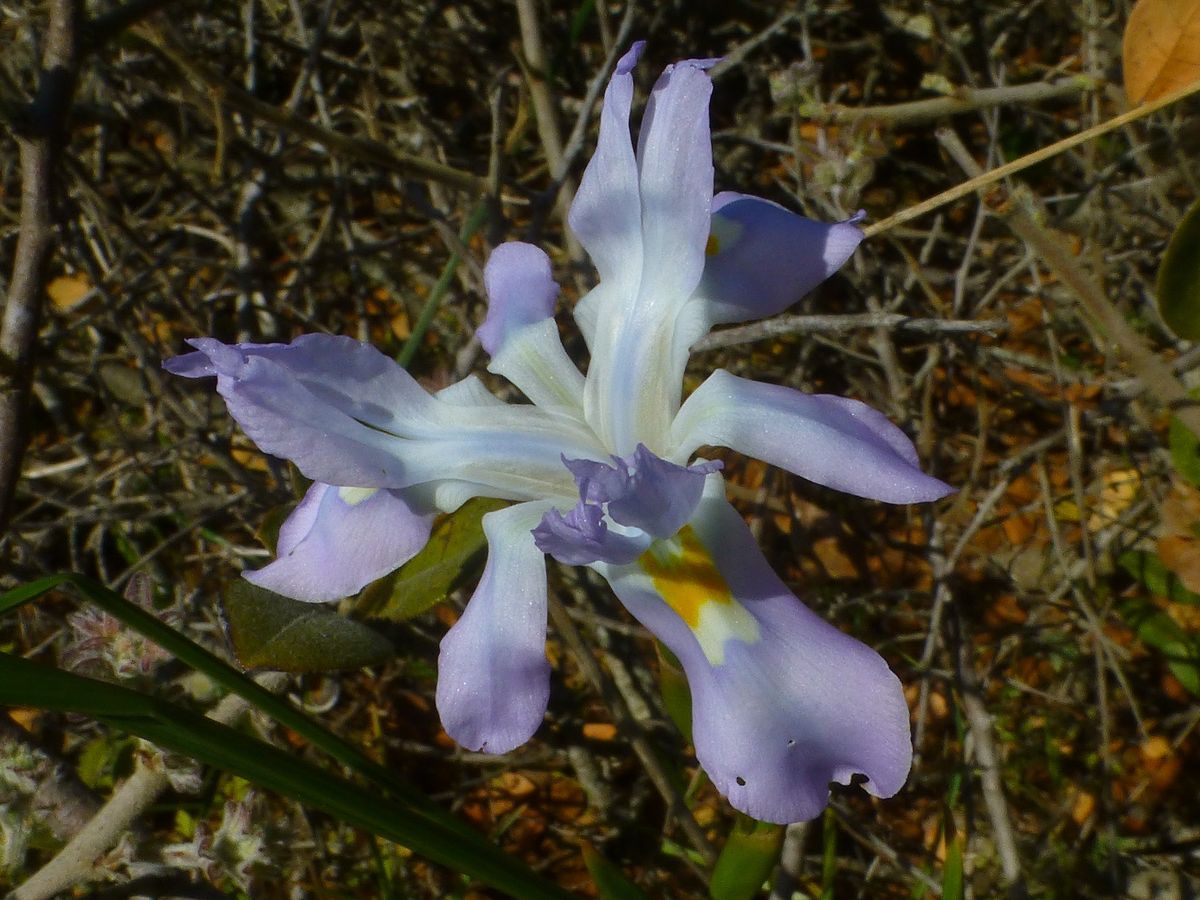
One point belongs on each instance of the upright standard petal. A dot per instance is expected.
(761, 258)
(636, 370)
(782, 702)
(493, 676)
(338, 540)
(840, 443)
(606, 215)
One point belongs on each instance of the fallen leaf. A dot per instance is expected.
(599, 731)
(1161, 49)
(67, 291)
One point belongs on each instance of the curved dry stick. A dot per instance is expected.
(39, 138)
(75, 862)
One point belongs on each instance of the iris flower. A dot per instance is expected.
(602, 468)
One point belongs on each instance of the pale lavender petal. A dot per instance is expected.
(606, 215)
(763, 258)
(635, 373)
(582, 536)
(323, 402)
(520, 291)
(676, 179)
(834, 441)
(643, 491)
(659, 496)
(787, 710)
(493, 676)
(338, 540)
(346, 414)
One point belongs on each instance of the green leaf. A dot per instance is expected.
(273, 632)
(225, 675)
(24, 683)
(1179, 278)
(454, 554)
(1185, 451)
(676, 695)
(952, 870)
(746, 860)
(611, 883)
(1160, 581)
(1158, 630)
(828, 853)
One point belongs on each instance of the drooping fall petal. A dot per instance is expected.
(783, 703)
(493, 675)
(338, 540)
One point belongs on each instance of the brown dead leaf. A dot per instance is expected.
(599, 731)
(68, 291)
(1161, 49)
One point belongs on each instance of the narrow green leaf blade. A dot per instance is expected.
(828, 853)
(24, 683)
(746, 860)
(455, 552)
(231, 679)
(273, 632)
(1179, 278)
(611, 883)
(953, 884)
(676, 695)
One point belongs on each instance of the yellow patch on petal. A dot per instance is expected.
(723, 234)
(352, 496)
(685, 576)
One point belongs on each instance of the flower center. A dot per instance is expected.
(685, 576)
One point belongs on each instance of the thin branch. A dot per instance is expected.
(630, 726)
(1032, 159)
(76, 861)
(39, 139)
(1019, 211)
(545, 114)
(217, 90)
(789, 325)
(963, 100)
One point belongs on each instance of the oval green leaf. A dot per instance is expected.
(1179, 278)
(455, 554)
(1160, 581)
(273, 632)
(1158, 630)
